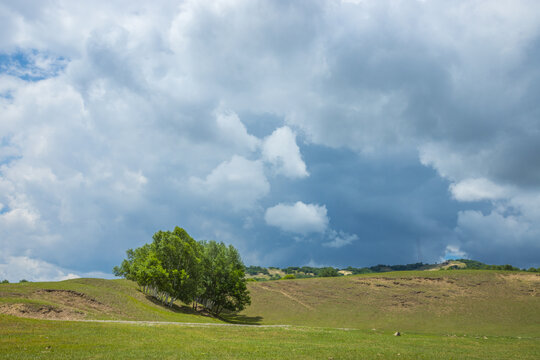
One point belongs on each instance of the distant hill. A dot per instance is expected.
(259, 273)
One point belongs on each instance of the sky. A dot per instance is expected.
(321, 133)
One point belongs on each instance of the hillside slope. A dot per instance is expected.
(439, 302)
(486, 302)
(89, 299)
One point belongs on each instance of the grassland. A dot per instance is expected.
(465, 301)
(441, 315)
(38, 339)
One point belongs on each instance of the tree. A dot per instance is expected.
(255, 270)
(180, 254)
(329, 272)
(135, 266)
(223, 284)
(5, 281)
(175, 266)
(168, 268)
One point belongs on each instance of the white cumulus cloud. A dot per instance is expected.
(453, 252)
(477, 189)
(280, 150)
(233, 131)
(239, 183)
(298, 218)
(16, 268)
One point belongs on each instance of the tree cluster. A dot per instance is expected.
(408, 267)
(255, 270)
(176, 267)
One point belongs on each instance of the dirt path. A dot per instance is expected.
(289, 296)
(151, 323)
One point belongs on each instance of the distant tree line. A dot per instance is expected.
(255, 270)
(176, 267)
(299, 272)
(407, 267)
(6, 281)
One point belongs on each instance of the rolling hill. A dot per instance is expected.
(466, 301)
(486, 302)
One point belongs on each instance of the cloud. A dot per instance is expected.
(16, 268)
(492, 227)
(453, 252)
(298, 218)
(234, 132)
(238, 183)
(498, 236)
(280, 150)
(340, 239)
(476, 190)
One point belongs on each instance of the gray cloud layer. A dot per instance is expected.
(416, 125)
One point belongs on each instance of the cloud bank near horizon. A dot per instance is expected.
(343, 133)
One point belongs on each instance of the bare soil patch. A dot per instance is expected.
(71, 299)
(37, 311)
(65, 305)
(526, 284)
(410, 293)
(534, 278)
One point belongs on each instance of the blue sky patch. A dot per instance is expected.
(31, 65)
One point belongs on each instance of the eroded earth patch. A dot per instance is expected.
(68, 305)
(39, 311)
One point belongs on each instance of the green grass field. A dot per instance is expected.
(441, 315)
(35, 339)
(441, 302)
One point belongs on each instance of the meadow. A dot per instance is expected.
(442, 302)
(440, 314)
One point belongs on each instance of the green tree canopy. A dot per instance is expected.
(224, 284)
(175, 266)
(328, 272)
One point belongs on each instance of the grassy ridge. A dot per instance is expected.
(465, 302)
